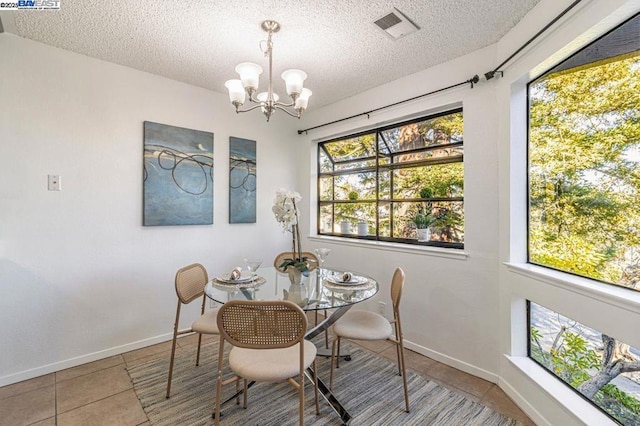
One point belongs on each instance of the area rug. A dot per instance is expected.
(368, 386)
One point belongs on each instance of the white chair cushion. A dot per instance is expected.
(206, 324)
(270, 365)
(363, 325)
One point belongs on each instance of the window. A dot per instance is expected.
(602, 369)
(386, 183)
(584, 161)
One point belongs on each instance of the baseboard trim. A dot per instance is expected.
(83, 359)
(117, 350)
(522, 403)
(453, 362)
(566, 399)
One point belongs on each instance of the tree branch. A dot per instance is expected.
(609, 349)
(554, 345)
(628, 367)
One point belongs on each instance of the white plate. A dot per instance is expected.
(336, 278)
(244, 277)
(235, 285)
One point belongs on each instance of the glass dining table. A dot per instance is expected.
(323, 289)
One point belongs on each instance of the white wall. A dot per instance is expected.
(450, 304)
(470, 313)
(80, 277)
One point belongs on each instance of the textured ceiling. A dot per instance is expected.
(334, 41)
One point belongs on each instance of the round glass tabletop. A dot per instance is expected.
(322, 289)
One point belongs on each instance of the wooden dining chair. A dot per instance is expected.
(313, 263)
(366, 325)
(190, 283)
(268, 346)
(312, 260)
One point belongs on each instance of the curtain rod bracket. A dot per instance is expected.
(489, 75)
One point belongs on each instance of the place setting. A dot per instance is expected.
(241, 277)
(345, 281)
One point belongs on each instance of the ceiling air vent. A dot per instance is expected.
(395, 24)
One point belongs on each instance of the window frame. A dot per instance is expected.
(390, 167)
(554, 375)
(542, 75)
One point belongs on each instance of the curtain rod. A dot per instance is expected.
(475, 79)
(489, 75)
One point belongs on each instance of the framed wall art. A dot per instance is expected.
(178, 176)
(242, 180)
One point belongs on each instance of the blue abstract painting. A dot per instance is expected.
(242, 180)
(178, 176)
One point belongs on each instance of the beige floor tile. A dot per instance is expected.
(159, 350)
(122, 409)
(497, 400)
(27, 385)
(89, 368)
(459, 379)
(51, 421)
(79, 391)
(412, 360)
(416, 361)
(160, 355)
(28, 407)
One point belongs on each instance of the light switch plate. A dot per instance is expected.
(54, 183)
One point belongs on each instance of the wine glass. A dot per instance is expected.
(253, 265)
(322, 254)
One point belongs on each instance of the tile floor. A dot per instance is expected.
(101, 393)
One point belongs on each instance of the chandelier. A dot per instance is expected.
(268, 101)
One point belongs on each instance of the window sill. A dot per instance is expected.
(621, 297)
(568, 398)
(387, 246)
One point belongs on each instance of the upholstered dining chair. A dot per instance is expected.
(190, 283)
(312, 259)
(365, 325)
(268, 346)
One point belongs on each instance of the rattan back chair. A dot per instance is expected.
(190, 282)
(276, 326)
(312, 260)
(365, 325)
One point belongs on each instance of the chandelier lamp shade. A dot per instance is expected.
(269, 102)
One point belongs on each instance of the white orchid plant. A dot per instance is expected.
(286, 212)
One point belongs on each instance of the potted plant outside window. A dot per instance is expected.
(423, 221)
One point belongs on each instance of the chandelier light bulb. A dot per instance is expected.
(303, 100)
(294, 80)
(249, 74)
(236, 91)
(262, 97)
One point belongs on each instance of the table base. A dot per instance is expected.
(344, 353)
